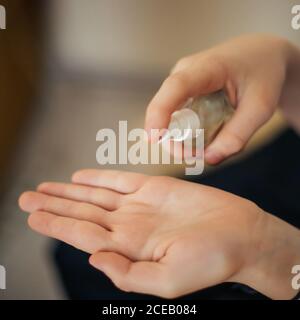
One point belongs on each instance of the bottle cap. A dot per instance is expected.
(184, 119)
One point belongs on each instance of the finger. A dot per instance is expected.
(183, 64)
(205, 77)
(101, 197)
(35, 201)
(119, 181)
(253, 111)
(133, 276)
(174, 148)
(83, 235)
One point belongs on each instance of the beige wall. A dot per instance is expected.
(148, 36)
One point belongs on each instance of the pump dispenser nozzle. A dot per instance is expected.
(207, 112)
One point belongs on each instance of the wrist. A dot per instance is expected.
(274, 251)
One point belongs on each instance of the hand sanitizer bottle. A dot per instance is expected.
(208, 112)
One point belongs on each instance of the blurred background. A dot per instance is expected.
(71, 67)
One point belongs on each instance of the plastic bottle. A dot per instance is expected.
(207, 112)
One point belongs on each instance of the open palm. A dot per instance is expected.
(155, 235)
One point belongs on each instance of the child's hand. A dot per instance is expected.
(164, 236)
(254, 70)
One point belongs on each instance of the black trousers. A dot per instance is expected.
(270, 177)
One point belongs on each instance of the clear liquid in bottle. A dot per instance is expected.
(208, 112)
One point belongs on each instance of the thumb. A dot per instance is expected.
(133, 276)
(254, 110)
(204, 78)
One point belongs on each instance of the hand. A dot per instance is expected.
(164, 236)
(258, 72)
